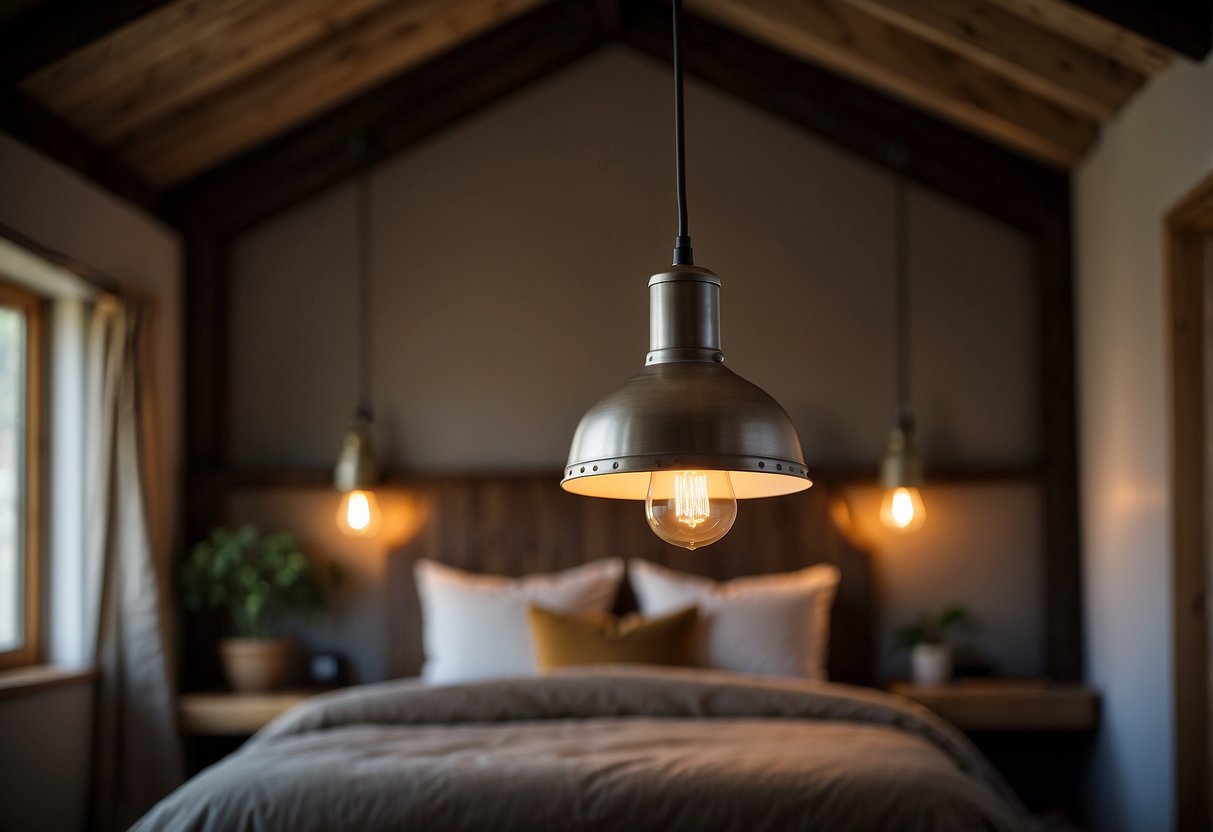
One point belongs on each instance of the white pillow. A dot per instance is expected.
(475, 626)
(770, 624)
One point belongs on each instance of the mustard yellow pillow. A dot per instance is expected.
(562, 640)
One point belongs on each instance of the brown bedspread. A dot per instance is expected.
(605, 748)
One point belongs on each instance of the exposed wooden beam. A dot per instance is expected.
(372, 49)
(1185, 26)
(1094, 32)
(28, 121)
(47, 31)
(855, 43)
(940, 156)
(406, 110)
(178, 54)
(1029, 55)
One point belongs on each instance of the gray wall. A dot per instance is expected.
(1157, 150)
(44, 761)
(511, 255)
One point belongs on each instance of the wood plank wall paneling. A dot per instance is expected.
(525, 524)
(1189, 228)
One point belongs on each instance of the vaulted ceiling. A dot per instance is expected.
(161, 94)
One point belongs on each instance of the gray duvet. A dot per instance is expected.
(610, 748)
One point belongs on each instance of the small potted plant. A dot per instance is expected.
(926, 639)
(259, 581)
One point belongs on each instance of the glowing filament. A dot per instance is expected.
(691, 506)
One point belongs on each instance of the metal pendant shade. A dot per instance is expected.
(685, 412)
(685, 409)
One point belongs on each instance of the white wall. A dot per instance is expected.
(65, 213)
(1158, 148)
(511, 255)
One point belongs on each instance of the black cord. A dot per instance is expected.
(364, 413)
(683, 255)
(905, 418)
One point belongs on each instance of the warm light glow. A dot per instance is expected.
(358, 514)
(690, 508)
(902, 509)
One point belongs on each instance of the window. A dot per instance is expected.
(20, 520)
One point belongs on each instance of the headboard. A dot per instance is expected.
(516, 525)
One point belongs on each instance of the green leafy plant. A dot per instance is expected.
(931, 627)
(258, 580)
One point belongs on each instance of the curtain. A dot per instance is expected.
(136, 754)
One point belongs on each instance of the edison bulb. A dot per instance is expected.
(358, 514)
(690, 508)
(902, 509)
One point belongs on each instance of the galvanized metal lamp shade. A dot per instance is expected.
(685, 410)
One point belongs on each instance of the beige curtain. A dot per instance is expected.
(136, 755)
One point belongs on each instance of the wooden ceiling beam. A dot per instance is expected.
(179, 54)
(372, 49)
(1037, 59)
(31, 123)
(391, 117)
(47, 31)
(952, 161)
(1184, 26)
(853, 42)
(1121, 45)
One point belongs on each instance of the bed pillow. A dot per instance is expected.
(769, 624)
(562, 640)
(475, 626)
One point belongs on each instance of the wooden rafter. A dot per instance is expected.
(247, 72)
(1035, 58)
(31, 123)
(39, 33)
(179, 54)
(391, 117)
(849, 40)
(1119, 44)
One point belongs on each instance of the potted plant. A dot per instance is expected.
(926, 639)
(259, 581)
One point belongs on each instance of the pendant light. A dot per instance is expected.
(685, 434)
(355, 474)
(901, 507)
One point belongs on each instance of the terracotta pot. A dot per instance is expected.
(255, 665)
(932, 663)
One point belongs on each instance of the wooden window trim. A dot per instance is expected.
(31, 304)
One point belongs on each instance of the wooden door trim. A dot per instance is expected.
(1187, 229)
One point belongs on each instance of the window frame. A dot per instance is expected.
(31, 304)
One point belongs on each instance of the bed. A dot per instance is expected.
(610, 747)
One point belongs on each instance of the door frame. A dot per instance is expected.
(1187, 231)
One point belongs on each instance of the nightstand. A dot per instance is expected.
(1008, 704)
(216, 723)
(226, 714)
(1036, 732)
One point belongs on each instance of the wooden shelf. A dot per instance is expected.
(1008, 704)
(222, 713)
